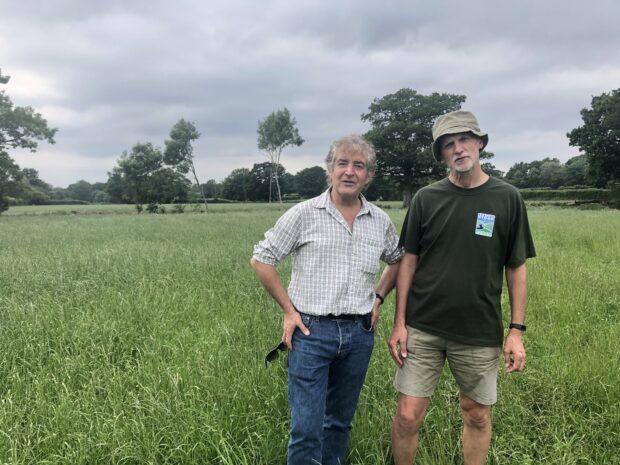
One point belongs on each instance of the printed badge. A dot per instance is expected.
(484, 224)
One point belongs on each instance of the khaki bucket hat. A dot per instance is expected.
(454, 123)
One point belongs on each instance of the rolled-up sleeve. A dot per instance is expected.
(280, 240)
(393, 252)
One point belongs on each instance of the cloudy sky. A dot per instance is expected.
(111, 73)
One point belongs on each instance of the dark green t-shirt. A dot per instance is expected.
(463, 239)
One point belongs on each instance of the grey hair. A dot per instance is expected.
(352, 143)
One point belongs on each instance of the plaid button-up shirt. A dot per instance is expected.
(334, 267)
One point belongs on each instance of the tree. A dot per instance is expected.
(488, 167)
(401, 132)
(382, 188)
(20, 127)
(599, 137)
(212, 188)
(260, 177)
(576, 172)
(180, 153)
(311, 182)
(236, 186)
(276, 132)
(81, 190)
(141, 177)
(548, 172)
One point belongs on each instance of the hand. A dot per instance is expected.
(514, 352)
(398, 344)
(375, 315)
(292, 321)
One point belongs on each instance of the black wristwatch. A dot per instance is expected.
(380, 297)
(517, 326)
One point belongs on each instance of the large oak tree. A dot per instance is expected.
(401, 132)
(20, 127)
(599, 137)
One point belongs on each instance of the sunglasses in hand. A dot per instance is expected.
(273, 353)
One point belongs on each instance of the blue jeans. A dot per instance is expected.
(326, 371)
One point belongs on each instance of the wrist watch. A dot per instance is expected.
(517, 326)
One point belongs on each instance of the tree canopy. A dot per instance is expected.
(311, 182)
(599, 137)
(20, 127)
(179, 152)
(275, 132)
(401, 132)
(550, 173)
(141, 177)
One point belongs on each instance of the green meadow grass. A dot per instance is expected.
(140, 339)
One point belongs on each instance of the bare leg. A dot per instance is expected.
(476, 431)
(406, 428)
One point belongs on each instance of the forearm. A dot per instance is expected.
(270, 279)
(387, 280)
(516, 281)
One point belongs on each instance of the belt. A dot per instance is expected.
(346, 316)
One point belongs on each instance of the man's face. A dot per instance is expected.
(461, 152)
(350, 173)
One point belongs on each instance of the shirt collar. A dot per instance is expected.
(324, 201)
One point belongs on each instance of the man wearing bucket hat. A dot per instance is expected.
(460, 235)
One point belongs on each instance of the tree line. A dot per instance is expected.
(401, 131)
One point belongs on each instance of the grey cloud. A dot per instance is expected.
(122, 72)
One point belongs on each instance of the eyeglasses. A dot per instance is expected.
(273, 353)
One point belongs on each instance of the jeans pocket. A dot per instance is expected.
(307, 320)
(366, 323)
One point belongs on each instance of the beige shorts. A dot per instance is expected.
(474, 368)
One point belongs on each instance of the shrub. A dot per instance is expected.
(152, 207)
(589, 194)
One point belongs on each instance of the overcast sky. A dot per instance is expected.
(109, 74)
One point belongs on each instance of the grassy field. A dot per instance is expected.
(139, 339)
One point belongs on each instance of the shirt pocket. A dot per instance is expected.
(368, 253)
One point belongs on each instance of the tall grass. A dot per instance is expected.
(136, 339)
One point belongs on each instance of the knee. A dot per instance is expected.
(408, 421)
(476, 415)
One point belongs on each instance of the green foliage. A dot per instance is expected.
(310, 182)
(236, 186)
(488, 167)
(401, 132)
(179, 152)
(275, 132)
(260, 181)
(588, 194)
(551, 173)
(178, 208)
(599, 137)
(382, 188)
(20, 127)
(141, 177)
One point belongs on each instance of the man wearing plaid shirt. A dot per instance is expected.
(331, 308)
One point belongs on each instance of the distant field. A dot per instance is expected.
(101, 209)
(134, 339)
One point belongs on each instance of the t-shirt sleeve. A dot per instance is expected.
(521, 244)
(410, 232)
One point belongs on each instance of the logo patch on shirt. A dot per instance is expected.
(484, 224)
